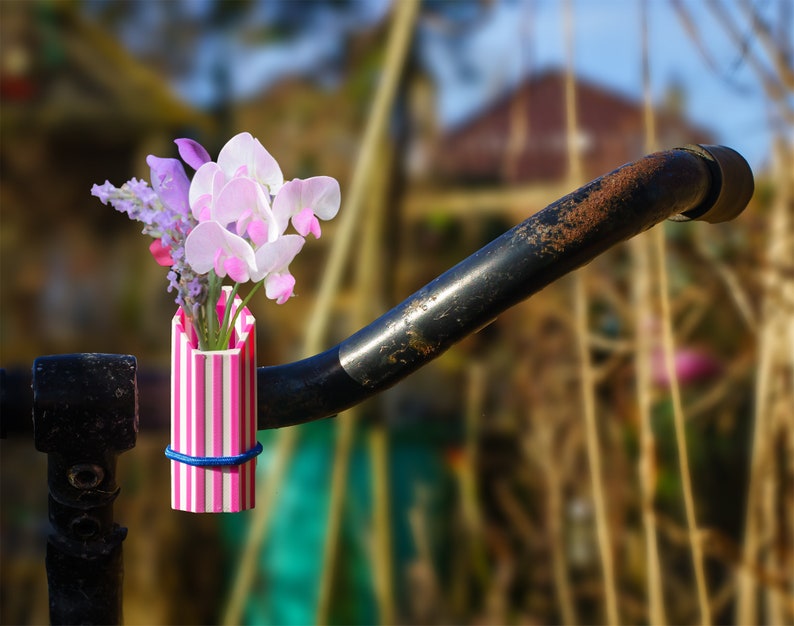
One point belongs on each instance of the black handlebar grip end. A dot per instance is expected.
(732, 185)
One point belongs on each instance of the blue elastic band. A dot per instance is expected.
(210, 461)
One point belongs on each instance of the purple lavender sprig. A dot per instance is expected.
(164, 211)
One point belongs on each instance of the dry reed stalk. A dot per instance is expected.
(787, 495)
(370, 289)
(518, 115)
(555, 517)
(644, 306)
(723, 549)
(497, 595)
(384, 584)
(788, 505)
(738, 293)
(774, 397)
(679, 423)
(470, 495)
(669, 356)
(773, 600)
(257, 531)
(551, 442)
(519, 518)
(397, 46)
(428, 606)
(345, 433)
(747, 608)
(396, 52)
(369, 286)
(731, 378)
(517, 201)
(581, 305)
(594, 452)
(647, 462)
(777, 82)
(782, 420)
(571, 119)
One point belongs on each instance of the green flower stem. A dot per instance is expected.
(214, 334)
(200, 324)
(207, 327)
(220, 342)
(229, 325)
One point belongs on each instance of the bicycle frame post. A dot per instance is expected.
(85, 413)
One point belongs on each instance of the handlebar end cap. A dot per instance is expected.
(731, 188)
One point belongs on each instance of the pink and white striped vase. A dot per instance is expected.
(213, 417)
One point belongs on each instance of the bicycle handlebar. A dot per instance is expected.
(708, 183)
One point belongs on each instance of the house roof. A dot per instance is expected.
(522, 137)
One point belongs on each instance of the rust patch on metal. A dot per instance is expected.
(609, 202)
(420, 345)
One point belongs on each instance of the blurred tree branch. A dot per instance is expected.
(777, 81)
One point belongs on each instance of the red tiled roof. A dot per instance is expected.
(490, 146)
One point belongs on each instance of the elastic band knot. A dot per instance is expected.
(214, 461)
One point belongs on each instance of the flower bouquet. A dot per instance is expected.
(230, 220)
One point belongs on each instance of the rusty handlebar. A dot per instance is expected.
(709, 183)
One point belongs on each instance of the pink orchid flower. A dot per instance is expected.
(237, 188)
(304, 201)
(241, 201)
(240, 234)
(274, 258)
(243, 155)
(209, 246)
(208, 181)
(244, 202)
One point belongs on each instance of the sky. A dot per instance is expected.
(525, 36)
(504, 40)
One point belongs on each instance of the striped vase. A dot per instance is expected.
(213, 414)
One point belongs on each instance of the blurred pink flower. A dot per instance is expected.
(692, 365)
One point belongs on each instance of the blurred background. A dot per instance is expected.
(548, 469)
